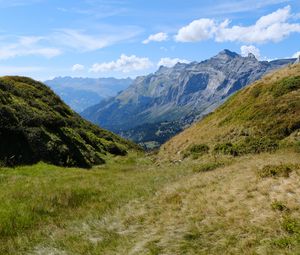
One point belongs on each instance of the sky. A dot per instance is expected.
(43, 39)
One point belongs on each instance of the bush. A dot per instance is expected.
(279, 206)
(286, 85)
(196, 150)
(275, 171)
(257, 145)
(207, 167)
(291, 225)
(226, 148)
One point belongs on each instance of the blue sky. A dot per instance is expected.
(101, 38)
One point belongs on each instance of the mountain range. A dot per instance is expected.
(262, 117)
(177, 96)
(81, 93)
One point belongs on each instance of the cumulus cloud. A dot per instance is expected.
(272, 27)
(169, 62)
(26, 46)
(159, 37)
(246, 49)
(124, 64)
(77, 67)
(198, 30)
(296, 55)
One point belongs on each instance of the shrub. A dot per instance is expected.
(291, 225)
(279, 206)
(196, 150)
(286, 85)
(207, 167)
(275, 171)
(226, 148)
(257, 145)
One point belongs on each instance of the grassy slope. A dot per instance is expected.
(216, 204)
(267, 111)
(41, 199)
(36, 125)
(132, 206)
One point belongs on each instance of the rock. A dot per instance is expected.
(180, 95)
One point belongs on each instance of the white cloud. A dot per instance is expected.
(198, 30)
(159, 37)
(27, 46)
(296, 55)
(246, 49)
(124, 64)
(169, 62)
(82, 41)
(77, 67)
(272, 27)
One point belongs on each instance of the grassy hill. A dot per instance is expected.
(36, 125)
(235, 192)
(262, 117)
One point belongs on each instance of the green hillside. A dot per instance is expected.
(227, 185)
(262, 117)
(36, 125)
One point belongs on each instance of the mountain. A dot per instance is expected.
(35, 125)
(261, 117)
(183, 93)
(81, 93)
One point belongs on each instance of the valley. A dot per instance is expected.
(227, 184)
(177, 96)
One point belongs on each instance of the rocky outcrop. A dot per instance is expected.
(182, 93)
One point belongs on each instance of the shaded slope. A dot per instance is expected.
(36, 125)
(258, 118)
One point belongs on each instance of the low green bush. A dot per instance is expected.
(279, 206)
(226, 148)
(257, 145)
(274, 171)
(286, 85)
(196, 150)
(207, 167)
(291, 225)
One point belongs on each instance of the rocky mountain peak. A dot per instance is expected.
(226, 55)
(252, 56)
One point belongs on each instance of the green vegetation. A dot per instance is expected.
(196, 150)
(34, 198)
(279, 206)
(151, 204)
(205, 167)
(137, 205)
(286, 85)
(36, 125)
(258, 118)
(276, 171)
(249, 146)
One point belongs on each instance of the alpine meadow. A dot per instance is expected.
(155, 128)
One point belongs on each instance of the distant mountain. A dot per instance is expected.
(259, 118)
(81, 93)
(35, 125)
(183, 93)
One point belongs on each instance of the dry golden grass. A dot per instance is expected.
(230, 210)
